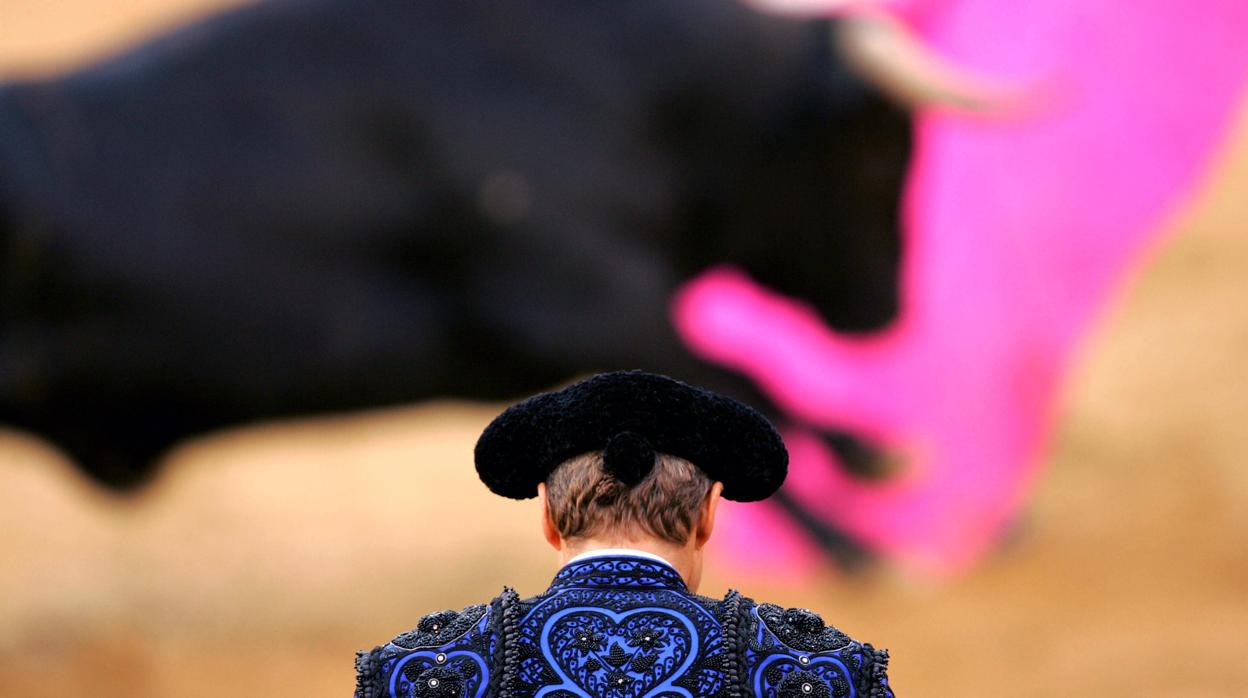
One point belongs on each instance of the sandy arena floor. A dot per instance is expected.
(262, 558)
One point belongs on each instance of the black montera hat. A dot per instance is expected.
(630, 416)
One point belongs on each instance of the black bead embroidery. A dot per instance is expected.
(730, 620)
(876, 679)
(648, 638)
(803, 684)
(368, 676)
(440, 628)
(438, 682)
(618, 679)
(802, 629)
(509, 601)
(588, 641)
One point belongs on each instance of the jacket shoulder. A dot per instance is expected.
(448, 653)
(792, 653)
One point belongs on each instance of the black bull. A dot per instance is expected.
(301, 207)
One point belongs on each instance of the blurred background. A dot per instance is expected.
(262, 553)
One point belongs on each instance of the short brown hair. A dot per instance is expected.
(584, 500)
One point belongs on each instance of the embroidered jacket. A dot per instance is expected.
(622, 627)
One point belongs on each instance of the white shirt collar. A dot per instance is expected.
(619, 552)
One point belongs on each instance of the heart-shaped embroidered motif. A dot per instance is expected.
(832, 671)
(622, 655)
(417, 674)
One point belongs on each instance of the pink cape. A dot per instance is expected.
(1017, 231)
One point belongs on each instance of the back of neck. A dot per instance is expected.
(685, 559)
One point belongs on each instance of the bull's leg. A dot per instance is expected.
(116, 444)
